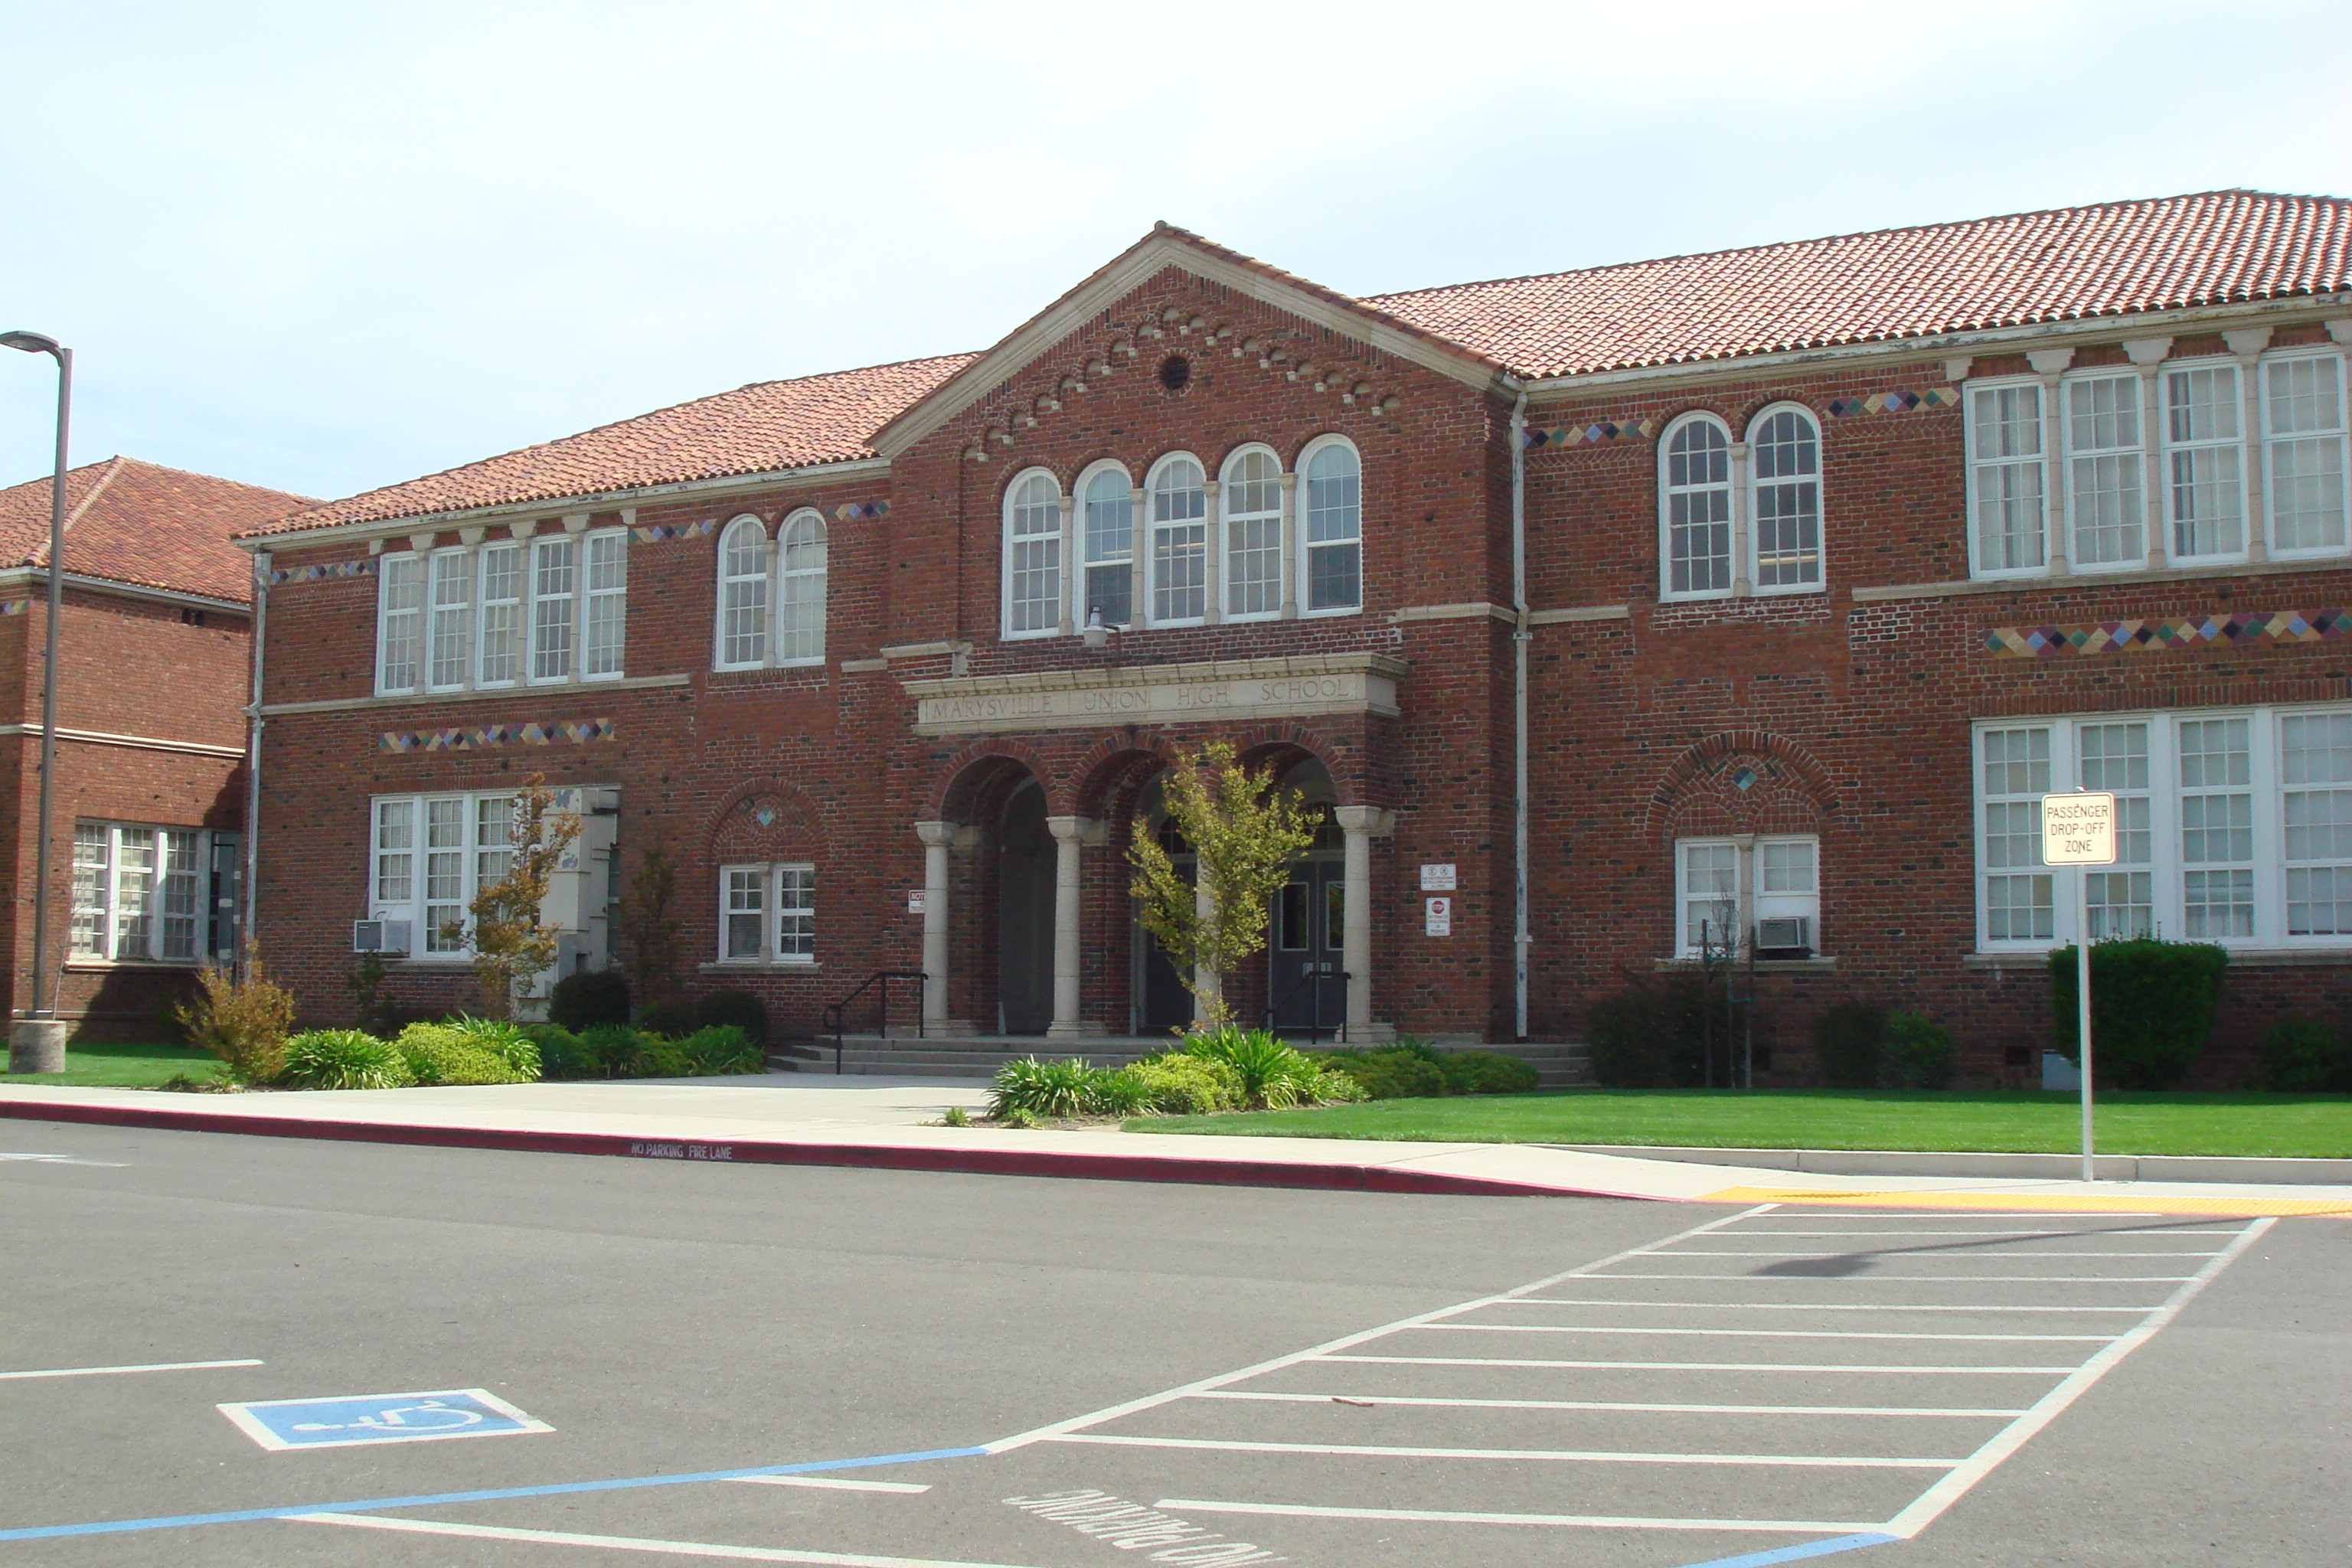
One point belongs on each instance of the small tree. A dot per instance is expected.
(1244, 832)
(511, 948)
(241, 1016)
(649, 924)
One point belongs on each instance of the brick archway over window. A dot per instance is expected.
(767, 819)
(1740, 781)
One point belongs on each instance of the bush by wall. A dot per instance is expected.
(1387, 1073)
(2300, 1056)
(1272, 1073)
(1486, 1072)
(2152, 1004)
(342, 1058)
(1848, 1042)
(1916, 1053)
(670, 1019)
(588, 997)
(1650, 1034)
(439, 1054)
(738, 1008)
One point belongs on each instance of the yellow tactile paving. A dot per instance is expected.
(2034, 1202)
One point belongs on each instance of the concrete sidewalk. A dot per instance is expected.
(878, 1122)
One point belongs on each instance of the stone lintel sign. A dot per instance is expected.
(1158, 694)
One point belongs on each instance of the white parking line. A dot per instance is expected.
(1877, 1252)
(831, 1483)
(1609, 1404)
(1924, 1278)
(1810, 1306)
(1569, 1456)
(147, 1367)
(1705, 1365)
(634, 1543)
(1592, 1520)
(64, 1159)
(1750, 1334)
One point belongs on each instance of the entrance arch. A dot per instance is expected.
(1025, 912)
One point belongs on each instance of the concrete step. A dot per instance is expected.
(1558, 1064)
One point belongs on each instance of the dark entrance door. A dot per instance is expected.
(1305, 983)
(1024, 916)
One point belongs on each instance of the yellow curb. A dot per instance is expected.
(2034, 1202)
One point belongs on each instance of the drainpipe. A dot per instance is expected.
(252, 888)
(1521, 634)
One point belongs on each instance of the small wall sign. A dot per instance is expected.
(1437, 878)
(1437, 916)
(918, 899)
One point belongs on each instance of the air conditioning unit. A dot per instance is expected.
(1785, 934)
(380, 936)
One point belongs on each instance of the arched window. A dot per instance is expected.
(1180, 542)
(1335, 527)
(1033, 556)
(1695, 508)
(1252, 514)
(800, 616)
(744, 594)
(1110, 545)
(1784, 467)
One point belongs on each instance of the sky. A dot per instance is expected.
(328, 248)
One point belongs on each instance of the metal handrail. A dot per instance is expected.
(837, 1014)
(1314, 1010)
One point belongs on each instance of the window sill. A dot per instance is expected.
(2241, 957)
(478, 694)
(1763, 965)
(761, 966)
(100, 966)
(2041, 581)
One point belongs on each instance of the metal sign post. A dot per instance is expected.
(2079, 830)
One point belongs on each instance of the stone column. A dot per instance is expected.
(1291, 553)
(2049, 365)
(1206, 982)
(1360, 823)
(1069, 833)
(935, 838)
(2247, 345)
(2146, 355)
(1743, 541)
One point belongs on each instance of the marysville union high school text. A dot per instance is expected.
(1768, 589)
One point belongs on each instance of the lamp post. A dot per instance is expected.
(38, 1041)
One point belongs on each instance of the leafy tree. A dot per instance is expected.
(241, 1015)
(650, 926)
(1246, 831)
(511, 947)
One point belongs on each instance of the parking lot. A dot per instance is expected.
(231, 1350)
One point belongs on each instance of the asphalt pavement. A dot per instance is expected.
(512, 1358)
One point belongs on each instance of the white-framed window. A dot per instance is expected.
(1033, 555)
(2105, 460)
(767, 913)
(1695, 508)
(2204, 461)
(2235, 826)
(1252, 517)
(1764, 890)
(801, 565)
(142, 893)
(743, 565)
(1331, 478)
(2304, 452)
(429, 855)
(1180, 542)
(1784, 498)
(501, 611)
(1108, 540)
(2008, 531)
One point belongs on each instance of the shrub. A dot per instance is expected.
(671, 1020)
(242, 1022)
(1916, 1053)
(2152, 1004)
(1048, 1090)
(1119, 1091)
(371, 1007)
(1272, 1074)
(1849, 1042)
(1333, 1086)
(716, 1051)
(342, 1058)
(616, 1050)
(955, 1116)
(510, 1043)
(438, 1054)
(1650, 1034)
(2302, 1056)
(1411, 1046)
(738, 1008)
(560, 1053)
(1486, 1072)
(1387, 1073)
(588, 997)
(1183, 1085)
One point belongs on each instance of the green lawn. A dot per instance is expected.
(120, 1067)
(2020, 1122)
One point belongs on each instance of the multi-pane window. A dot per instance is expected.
(2303, 448)
(2104, 463)
(800, 614)
(2005, 477)
(429, 855)
(1033, 556)
(2233, 826)
(1109, 544)
(1335, 528)
(1180, 542)
(771, 602)
(494, 613)
(744, 594)
(1784, 456)
(1695, 503)
(2205, 489)
(1764, 892)
(1252, 514)
(139, 892)
(767, 913)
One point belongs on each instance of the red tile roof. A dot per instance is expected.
(754, 429)
(136, 523)
(2113, 259)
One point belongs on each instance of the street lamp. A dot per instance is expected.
(38, 1041)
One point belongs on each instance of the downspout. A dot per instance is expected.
(1522, 939)
(252, 879)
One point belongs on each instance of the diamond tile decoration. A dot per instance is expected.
(861, 511)
(283, 574)
(2243, 629)
(1745, 779)
(659, 532)
(1895, 402)
(1598, 431)
(579, 731)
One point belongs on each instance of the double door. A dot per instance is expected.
(1305, 983)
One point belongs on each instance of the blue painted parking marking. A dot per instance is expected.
(279, 1424)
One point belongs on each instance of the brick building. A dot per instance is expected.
(155, 647)
(1776, 583)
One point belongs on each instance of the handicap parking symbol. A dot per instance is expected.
(340, 1422)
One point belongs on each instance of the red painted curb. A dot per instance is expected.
(1136, 1167)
